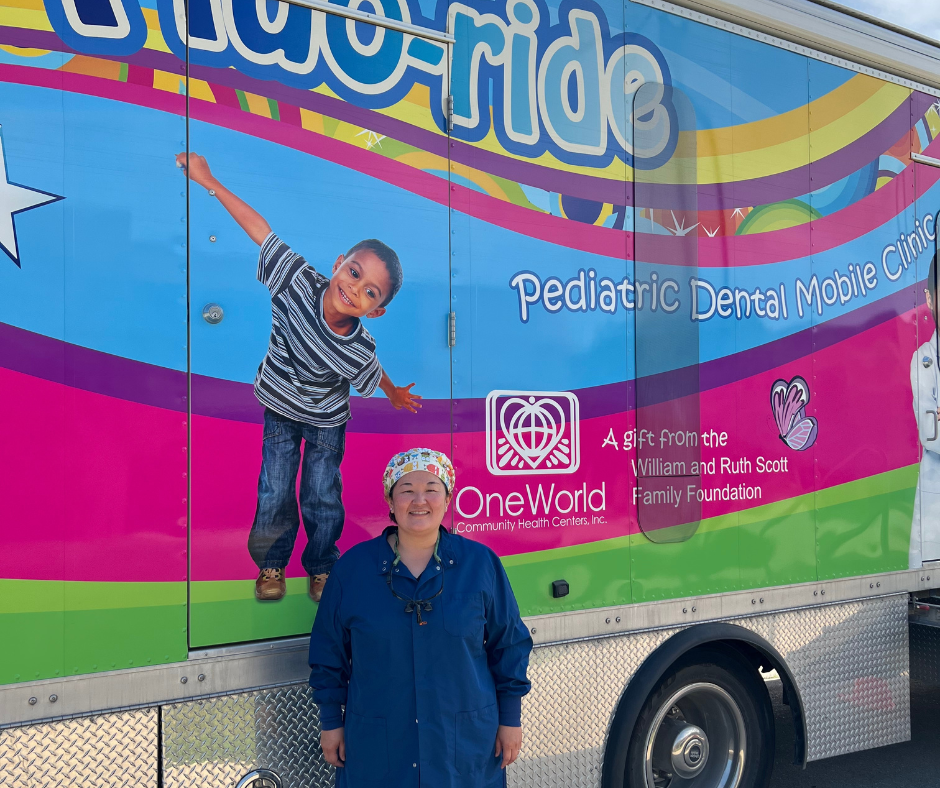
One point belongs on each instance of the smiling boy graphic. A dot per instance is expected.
(318, 349)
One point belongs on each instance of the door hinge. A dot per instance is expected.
(450, 113)
(451, 329)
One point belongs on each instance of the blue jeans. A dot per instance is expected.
(277, 520)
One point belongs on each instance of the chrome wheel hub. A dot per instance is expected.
(697, 739)
(689, 751)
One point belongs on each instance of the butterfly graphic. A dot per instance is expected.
(788, 404)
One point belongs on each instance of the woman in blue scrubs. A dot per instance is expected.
(419, 637)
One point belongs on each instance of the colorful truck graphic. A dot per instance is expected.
(664, 298)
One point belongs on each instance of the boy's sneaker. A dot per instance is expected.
(270, 585)
(315, 586)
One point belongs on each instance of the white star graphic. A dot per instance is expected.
(15, 199)
(679, 228)
(738, 212)
(373, 139)
(711, 233)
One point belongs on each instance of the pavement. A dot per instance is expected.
(913, 764)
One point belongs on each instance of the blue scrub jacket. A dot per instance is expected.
(422, 702)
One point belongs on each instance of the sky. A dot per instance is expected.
(922, 16)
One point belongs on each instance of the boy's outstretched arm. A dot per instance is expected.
(400, 396)
(247, 217)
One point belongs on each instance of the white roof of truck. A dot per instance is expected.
(824, 30)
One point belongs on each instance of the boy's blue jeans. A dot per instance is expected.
(276, 523)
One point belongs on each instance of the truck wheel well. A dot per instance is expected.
(682, 647)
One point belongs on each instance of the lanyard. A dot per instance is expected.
(415, 605)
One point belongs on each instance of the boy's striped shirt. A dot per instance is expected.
(308, 368)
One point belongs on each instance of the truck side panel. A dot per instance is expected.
(94, 367)
(526, 261)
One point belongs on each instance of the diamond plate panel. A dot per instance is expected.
(849, 661)
(117, 749)
(925, 653)
(213, 743)
(565, 717)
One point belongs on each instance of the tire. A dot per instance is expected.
(707, 724)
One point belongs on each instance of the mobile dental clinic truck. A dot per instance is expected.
(665, 282)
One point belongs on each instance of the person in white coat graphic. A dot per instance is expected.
(925, 384)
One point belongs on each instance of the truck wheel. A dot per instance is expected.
(708, 724)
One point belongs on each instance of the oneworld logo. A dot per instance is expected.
(532, 432)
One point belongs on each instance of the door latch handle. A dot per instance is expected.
(936, 419)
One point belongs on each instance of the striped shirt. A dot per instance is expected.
(308, 368)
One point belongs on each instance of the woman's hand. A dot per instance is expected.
(508, 743)
(333, 744)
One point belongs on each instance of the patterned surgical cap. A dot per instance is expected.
(429, 460)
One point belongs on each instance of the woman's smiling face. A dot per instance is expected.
(419, 502)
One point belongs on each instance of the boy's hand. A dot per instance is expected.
(401, 397)
(248, 218)
(198, 169)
